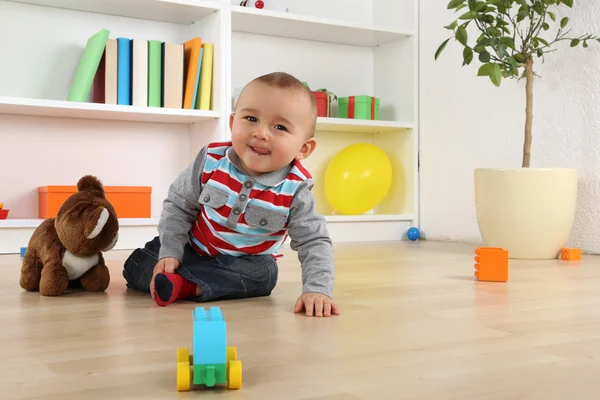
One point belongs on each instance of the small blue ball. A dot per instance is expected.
(413, 234)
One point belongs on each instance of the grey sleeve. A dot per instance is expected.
(180, 209)
(310, 238)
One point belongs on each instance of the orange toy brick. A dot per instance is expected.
(570, 254)
(491, 264)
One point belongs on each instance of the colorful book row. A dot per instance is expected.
(143, 72)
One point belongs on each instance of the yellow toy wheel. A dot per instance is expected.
(184, 376)
(183, 355)
(231, 353)
(234, 374)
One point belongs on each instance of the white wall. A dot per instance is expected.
(467, 123)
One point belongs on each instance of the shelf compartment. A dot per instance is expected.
(296, 26)
(360, 126)
(70, 109)
(174, 11)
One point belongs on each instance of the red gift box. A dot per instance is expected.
(323, 103)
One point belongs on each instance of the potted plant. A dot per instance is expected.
(528, 211)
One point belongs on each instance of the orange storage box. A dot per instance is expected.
(128, 201)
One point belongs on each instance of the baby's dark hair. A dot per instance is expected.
(283, 80)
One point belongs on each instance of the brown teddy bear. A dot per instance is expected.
(66, 251)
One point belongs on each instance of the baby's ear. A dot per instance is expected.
(95, 222)
(307, 149)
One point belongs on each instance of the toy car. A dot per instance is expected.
(212, 362)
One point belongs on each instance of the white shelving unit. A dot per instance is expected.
(350, 47)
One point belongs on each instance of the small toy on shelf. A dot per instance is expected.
(323, 98)
(212, 361)
(569, 254)
(3, 211)
(274, 5)
(359, 107)
(491, 264)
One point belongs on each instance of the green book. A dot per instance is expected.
(154, 73)
(88, 66)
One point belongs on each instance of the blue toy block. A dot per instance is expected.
(23, 250)
(209, 342)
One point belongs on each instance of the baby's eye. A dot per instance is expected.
(249, 118)
(280, 127)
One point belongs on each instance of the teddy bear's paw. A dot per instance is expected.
(54, 281)
(31, 273)
(96, 279)
(29, 283)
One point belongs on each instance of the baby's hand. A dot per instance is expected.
(165, 265)
(316, 304)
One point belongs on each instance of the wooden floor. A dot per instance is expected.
(414, 325)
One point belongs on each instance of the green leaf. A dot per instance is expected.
(508, 42)
(454, 4)
(484, 57)
(519, 58)
(468, 15)
(552, 15)
(493, 71)
(441, 48)
(544, 41)
(568, 3)
(574, 42)
(452, 26)
(467, 56)
(564, 22)
(461, 35)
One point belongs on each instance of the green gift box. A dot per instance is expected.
(359, 107)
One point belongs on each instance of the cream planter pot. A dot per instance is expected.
(528, 211)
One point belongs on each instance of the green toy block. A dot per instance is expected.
(359, 107)
(210, 374)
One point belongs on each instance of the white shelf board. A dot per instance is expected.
(71, 109)
(35, 222)
(369, 217)
(175, 11)
(360, 125)
(276, 23)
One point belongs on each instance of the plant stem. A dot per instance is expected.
(528, 111)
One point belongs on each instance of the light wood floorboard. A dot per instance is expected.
(414, 325)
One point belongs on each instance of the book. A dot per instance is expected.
(124, 71)
(88, 67)
(203, 102)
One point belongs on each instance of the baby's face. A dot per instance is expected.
(271, 127)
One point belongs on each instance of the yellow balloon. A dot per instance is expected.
(358, 178)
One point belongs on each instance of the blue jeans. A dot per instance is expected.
(221, 277)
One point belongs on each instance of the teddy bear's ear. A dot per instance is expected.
(91, 184)
(96, 222)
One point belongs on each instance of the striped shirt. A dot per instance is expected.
(240, 214)
(232, 213)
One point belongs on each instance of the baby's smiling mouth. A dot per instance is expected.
(260, 151)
